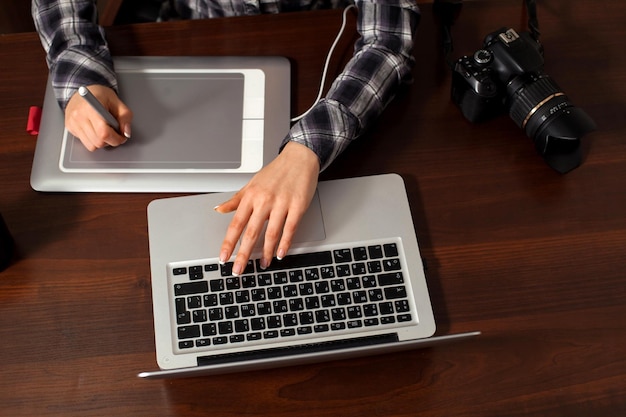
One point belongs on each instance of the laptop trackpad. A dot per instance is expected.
(311, 228)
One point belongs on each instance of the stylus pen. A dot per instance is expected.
(93, 101)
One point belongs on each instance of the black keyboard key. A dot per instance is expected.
(393, 278)
(312, 274)
(220, 340)
(270, 334)
(254, 336)
(257, 323)
(375, 251)
(359, 268)
(203, 342)
(290, 290)
(370, 322)
(280, 306)
(305, 330)
(248, 310)
(296, 304)
(280, 278)
(342, 255)
(195, 301)
(374, 267)
(211, 267)
(273, 322)
(225, 327)
(320, 328)
(343, 270)
(264, 308)
(185, 344)
(321, 287)
(375, 294)
(337, 326)
(402, 306)
(404, 317)
(233, 283)
(242, 326)
(236, 338)
(327, 272)
(216, 314)
(328, 300)
(369, 281)
(264, 280)
(392, 264)
(353, 324)
(296, 276)
(344, 298)
(392, 293)
(248, 281)
(290, 320)
(306, 317)
(390, 249)
(199, 316)
(183, 318)
(217, 285)
(209, 329)
(231, 312)
(353, 283)
(188, 288)
(360, 253)
(179, 271)
(288, 332)
(209, 300)
(181, 305)
(386, 308)
(354, 312)
(258, 294)
(322, 316)
(188, 332)
(226, 298)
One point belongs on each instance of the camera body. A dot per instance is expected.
(506, 74)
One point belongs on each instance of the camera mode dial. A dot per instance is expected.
(483, 57)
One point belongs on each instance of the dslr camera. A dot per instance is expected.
(507, 74)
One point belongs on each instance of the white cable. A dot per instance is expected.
(330, 53)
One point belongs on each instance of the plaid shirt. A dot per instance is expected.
(77, 54)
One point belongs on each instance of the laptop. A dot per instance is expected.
(353, 284)
(201, 124)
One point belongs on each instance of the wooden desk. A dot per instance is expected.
(534, 259)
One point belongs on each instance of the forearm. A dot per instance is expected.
(76, 51)
(382, 62)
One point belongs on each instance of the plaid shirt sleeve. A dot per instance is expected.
(382, 62)
(76, 50)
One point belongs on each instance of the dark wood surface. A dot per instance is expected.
(534, 259)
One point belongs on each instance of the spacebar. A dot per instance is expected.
(301, 260)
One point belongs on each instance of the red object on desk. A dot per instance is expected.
(34, 120)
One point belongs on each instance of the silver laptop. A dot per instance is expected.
(201, 124)
(353, 284)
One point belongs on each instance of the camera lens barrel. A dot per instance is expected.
(535, 101)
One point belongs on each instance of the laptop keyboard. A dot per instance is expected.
(333, 291)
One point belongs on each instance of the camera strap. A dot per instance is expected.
(446, 13)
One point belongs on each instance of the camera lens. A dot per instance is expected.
(545, 113)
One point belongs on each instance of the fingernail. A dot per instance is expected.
(237, 269)
(216, 207)
(223, 257)
(280, 254)
(264, 264)
(127, 131)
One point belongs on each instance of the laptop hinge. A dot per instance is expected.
(297, 350)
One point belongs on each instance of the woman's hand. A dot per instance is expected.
(279, 194)
(87, 125)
